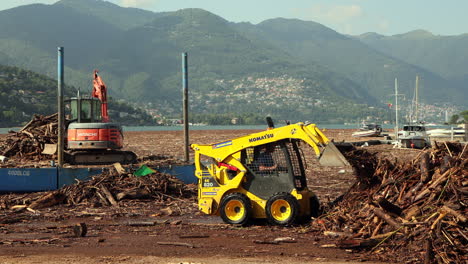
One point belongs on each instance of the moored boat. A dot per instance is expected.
(414, 136)
(368, 130)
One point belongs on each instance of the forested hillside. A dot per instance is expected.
(444, 55)
(24, 93)
(373, 70)
(141, 59)
(291, 69)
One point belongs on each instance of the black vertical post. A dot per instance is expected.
(466, 131)
(185, 105)
(60, 124)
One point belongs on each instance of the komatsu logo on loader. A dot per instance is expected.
(261, 138)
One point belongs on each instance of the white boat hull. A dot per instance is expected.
(369, 133)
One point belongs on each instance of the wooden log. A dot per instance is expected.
(424, 167)
(141, 223)
(459, 216)
(411, 212)
(389, 207)
(118, 167)
(80, 230)
(377, 228)
(448, 149)
(102, 198)
(108, 195)
(445, 164)
(388, 234)
(268, 242)
(133, 194)
(28, 133)
(176, 244)
(387, 218)
(357, 243)
(428, 256)
(27, 125)
(194, 236)
(48, 200)
(432, 185)
(441, 216)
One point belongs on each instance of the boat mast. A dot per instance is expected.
(396, 108)
(417, 105)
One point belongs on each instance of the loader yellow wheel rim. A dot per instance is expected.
(281, 210)
(234, 210)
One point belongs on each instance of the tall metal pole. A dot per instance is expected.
(60, 107)
(185, 105)
(396, 109)
(417, 96)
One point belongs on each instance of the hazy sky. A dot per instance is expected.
(388, 17)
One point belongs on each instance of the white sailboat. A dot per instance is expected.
(414, 135)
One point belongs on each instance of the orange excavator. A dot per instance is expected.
(91, 137)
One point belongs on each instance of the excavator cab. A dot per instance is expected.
(85, 110)
(87, 129)
(90, 140)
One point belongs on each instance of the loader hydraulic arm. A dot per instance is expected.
(309, 133)
(100, 92)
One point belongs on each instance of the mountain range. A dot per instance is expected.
(286, 67)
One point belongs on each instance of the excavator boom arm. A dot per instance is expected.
(100, 92)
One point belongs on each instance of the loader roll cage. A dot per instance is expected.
(284, 170)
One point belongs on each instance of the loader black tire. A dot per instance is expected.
(314, 210)
(236, 208)
(282, 209)
(314, 204)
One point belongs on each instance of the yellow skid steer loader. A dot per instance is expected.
(261, 175)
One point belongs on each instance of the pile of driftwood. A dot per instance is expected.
(412, 212)
(29, 142)
(108, 189)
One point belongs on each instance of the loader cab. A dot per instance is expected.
(85, 109)
(273, 168)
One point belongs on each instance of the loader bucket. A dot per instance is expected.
(331, 156)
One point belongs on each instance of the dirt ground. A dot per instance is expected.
(144, 233)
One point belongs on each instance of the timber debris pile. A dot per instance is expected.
(110, 189)
(29, 142)
(416, 210)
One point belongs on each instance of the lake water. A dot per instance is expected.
(176, 128)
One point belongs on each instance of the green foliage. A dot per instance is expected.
(464, 114)
(454, 119)
(124, 18)
(228, 119)
(459, 118)
(24, 93)
(125, 114)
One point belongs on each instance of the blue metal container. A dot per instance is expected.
(68, 176)
(47, 179)
(185, 173)
(28, 180)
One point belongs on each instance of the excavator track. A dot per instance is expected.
(100, 157)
